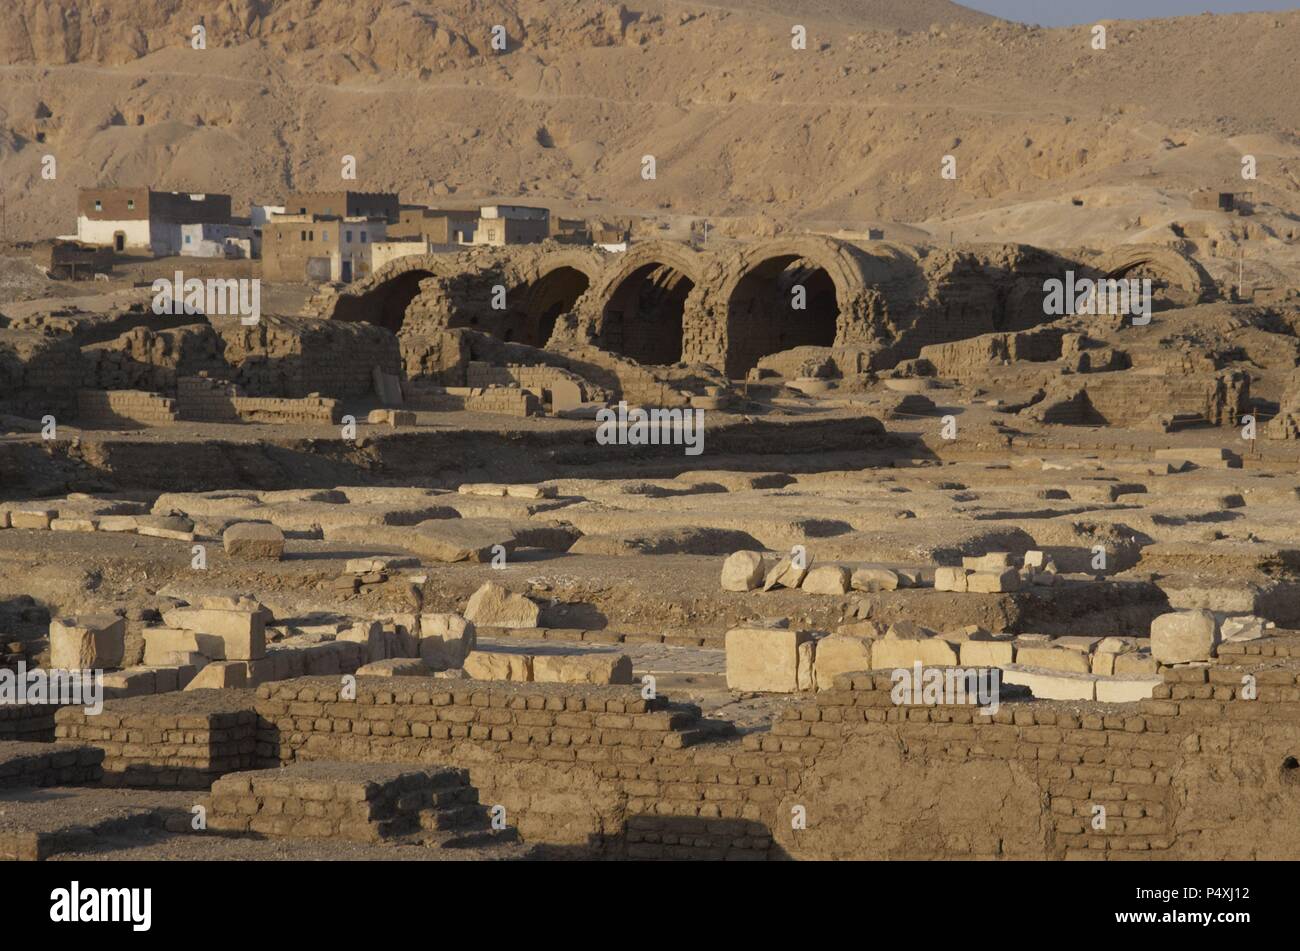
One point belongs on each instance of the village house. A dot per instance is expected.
(314, 247)
(499, 225)
(143, 221)
(436, 227)
(345, 204)
(217, 240)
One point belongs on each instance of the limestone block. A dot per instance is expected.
(395, 667)
(891, 653)
(132, 682)
(950, 579)
(89, 642)
(1135, 664)
(161, 644)
(499, 665)
(1052, 686)
(224, 633)
(253, 540)
(1183, 636)
(975, 653)
(494, 606)
(840, 654)
(806, 675)
(531, 491)
(826, 579)
(743, 571)
(370, 635)
(606, 668)
(446, 640)
(73, 525)
(875, 579)
(993, 582)
(462, 539)
(1054, 658)
(786, 574)
(38, 519)
(1126, 689)
(1247, 628)
(220, 674)
(764, 659)
(996, 561)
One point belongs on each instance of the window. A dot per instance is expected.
(130, 204)
(324, 235)
(99, 205)
(363, 237)
(347, 236)
(189, 239)
(302, 236)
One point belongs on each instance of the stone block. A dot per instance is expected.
(220, 674)
(993, 582)
(499, 665)
(446, 640)
(224, 633)
(494, 606)
(950, 579)
(1054, 658)
(743, 571)
(88, 642)
(875, 579)
(254, 540)
(162, 643)
(395, 667)
(1052, 686)
(582, 668)
(892, 653)
(840, 654)
(826, 579)
(764, 659)
(976, 653)
(1183, 636)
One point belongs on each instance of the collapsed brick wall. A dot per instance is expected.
(209, 400)
(124, 408)
(291, 357)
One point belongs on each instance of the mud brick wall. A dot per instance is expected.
(27, 721)
(356, 803)
(124, 407)
(1198, 771)
(28, 765)
(182, 740)
(297, 357)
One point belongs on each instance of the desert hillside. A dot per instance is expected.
(847, 133)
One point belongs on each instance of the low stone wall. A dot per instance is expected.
(1207, 769)
(185, 740)
(25, 765)
(124, 408)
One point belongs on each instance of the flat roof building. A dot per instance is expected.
(144, 221)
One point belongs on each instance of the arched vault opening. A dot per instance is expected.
(643, 316)
(548, 298)
(781, 303)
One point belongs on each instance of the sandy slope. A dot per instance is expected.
(850, 131)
